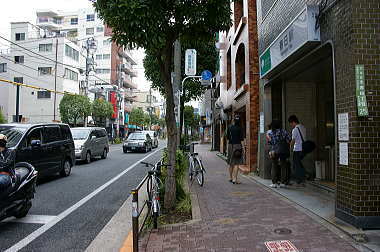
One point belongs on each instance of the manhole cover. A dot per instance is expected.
(282, 231)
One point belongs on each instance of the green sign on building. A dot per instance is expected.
(361, 98)
(265, 63)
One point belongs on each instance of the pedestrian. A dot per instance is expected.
(7, 159)
(279, 141)
(235, 149)
(298, 136)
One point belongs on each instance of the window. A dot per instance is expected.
(20, 36)
(103, 71)
(72, 53)
(71, 75)
(43, 94)
(90, 17)
(35, 134)
(89, 31)
(106, 56)
(46, 47)
(19, 59)
(74, 21)
(99, 29)
(3, 67)
(106, 42)
(52, 134)
(99, 57)
(57, 20)
(43, 19)
(44, 70)
(19, 79)
(66, 133)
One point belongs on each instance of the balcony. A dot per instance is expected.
(49, 23)
(128, 82)
(129, 96)
(126, 54)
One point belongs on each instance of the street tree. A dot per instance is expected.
(73, 108)
(207, 59)
(101, 110)
(2, 117)
(155, 26)
(147, 123)
(137, 117)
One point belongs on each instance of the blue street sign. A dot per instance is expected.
(206, 75)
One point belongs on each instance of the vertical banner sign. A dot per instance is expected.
(191, 62)
(113, 100)
(360, 91)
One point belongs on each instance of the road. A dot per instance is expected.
(68, 213)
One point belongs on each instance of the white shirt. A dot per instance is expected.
(297, 137)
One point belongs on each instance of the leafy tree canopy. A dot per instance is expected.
(74, 107)
(136, 117)
(102, 109)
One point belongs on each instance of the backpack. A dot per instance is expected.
(307, 146)
(282, 147)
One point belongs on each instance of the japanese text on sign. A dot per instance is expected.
(360, 91)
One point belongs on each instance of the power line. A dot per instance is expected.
(39, 54)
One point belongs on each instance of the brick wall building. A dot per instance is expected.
(320, 80)
(238, 90)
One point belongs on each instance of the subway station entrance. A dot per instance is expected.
(306, 89)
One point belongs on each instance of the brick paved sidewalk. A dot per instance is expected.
(241, 218)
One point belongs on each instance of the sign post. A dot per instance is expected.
(191, 62)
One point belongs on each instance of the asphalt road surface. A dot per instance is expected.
(68, 213)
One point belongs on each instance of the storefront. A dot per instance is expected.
(315, 68)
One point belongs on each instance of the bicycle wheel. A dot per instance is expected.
(149, 188)
(198, 171)
(191, 168)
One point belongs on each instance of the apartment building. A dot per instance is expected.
(113, 64)
(31, 59)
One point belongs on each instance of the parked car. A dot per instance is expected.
(138, 141)
(48, 147)
(90, 142)
(153, 135)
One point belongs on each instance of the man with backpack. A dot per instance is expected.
(278, 140)
(298, 139)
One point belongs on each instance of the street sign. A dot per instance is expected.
(361, 98)
(280, 246)
(190, 62)
(206, 75)
(206, 82)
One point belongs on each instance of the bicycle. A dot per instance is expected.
(153, 189)
(196, 168)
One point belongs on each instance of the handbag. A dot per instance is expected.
(282, 148)
(237, 153)
(307, 146)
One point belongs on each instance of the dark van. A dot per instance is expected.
(48, 147)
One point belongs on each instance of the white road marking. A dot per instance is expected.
(32, 219)
(24, 242)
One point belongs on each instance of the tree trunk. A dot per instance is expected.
(165, 60)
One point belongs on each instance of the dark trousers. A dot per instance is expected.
(299, 170)
(279, 171)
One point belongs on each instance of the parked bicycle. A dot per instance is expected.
(153, 189)
(196, 168)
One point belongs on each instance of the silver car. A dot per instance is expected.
(153, 135)
(89, 143)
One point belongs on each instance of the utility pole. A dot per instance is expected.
(150, 107)
(90, 47)
(55, 79)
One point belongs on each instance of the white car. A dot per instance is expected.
(154, 136)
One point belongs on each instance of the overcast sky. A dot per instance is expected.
(25, 10)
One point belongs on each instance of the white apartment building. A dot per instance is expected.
(34, 63)
(112, 74)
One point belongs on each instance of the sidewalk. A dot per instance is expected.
(242, 218)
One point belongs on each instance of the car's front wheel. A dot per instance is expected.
(104, 155)
(66, 169)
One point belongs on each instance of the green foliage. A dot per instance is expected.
(2, 117)
(74, 107)
(207, 59)
(155, 120)
(161, 122)
(180, 173)
(101, 110)
(137, 117)
(184, 206)
(118, 140)
(146, 120)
